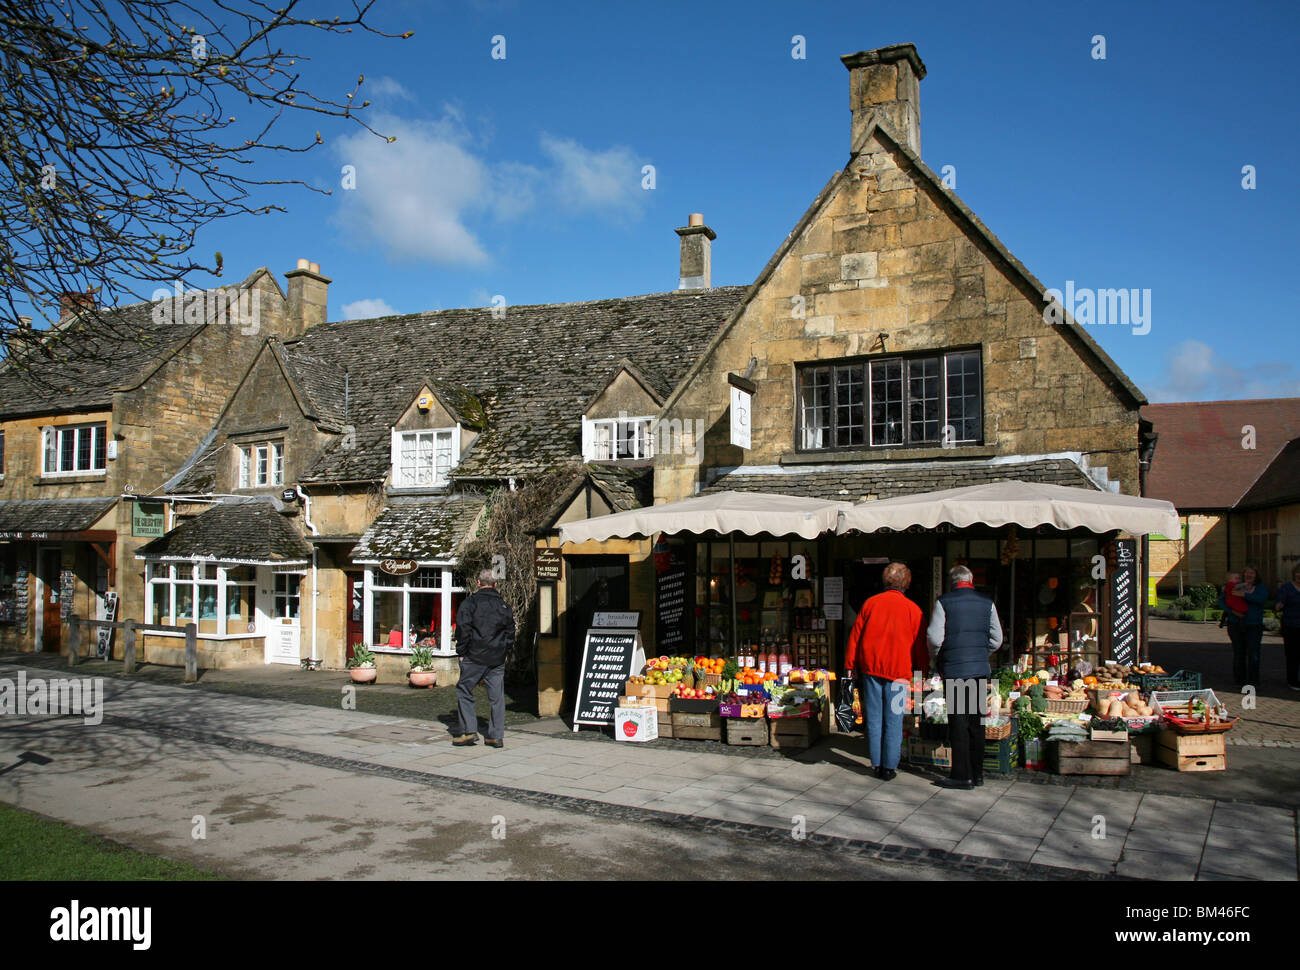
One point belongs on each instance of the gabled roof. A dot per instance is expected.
(79, 366)
(1201, 461)
(623, 487)
(247, 530)
(1279, 484)
(531, 372)
(1088, 349)
(422, 529)
(654, 391)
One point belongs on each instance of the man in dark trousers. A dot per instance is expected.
(963, 632)
(485, 632)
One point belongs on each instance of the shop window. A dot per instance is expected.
(180, 593)
(286, 602)
(75, 449)
(890, 402)
(425, 458)
(414, 610)
(261, 464)
(614, 439)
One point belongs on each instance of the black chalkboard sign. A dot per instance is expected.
(1124, 603)
(670, 601)
(607, 660)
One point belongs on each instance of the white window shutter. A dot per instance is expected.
(393, 456)
(587, 447)
(243, 468)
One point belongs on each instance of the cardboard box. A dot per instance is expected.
(648, 690)
(636, 724)
(935, 754)
(749, 711)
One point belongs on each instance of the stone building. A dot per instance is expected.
(1229, 468)
(92, 425)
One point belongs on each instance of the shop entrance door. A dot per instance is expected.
(594, 583)
(51, 592)
(355, 607)
(284, 632)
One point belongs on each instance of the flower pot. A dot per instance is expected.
(423, 678)
(363, 675)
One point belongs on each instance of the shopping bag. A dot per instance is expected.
(848, 711)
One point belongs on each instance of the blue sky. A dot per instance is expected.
(523, 176)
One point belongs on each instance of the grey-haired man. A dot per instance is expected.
(485, 632)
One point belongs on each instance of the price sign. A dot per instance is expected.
(608, 659)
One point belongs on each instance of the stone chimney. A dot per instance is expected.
(886, 81)
(697, 254)
(72, 303)
(308, 290)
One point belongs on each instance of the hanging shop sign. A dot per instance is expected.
(548, 565)
(147, 520)
(742, 393)
(399, 567)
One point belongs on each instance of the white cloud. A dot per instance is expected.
(416, 197)
(384, 88)
(1199, 372)
(366, 309)
(608, 180)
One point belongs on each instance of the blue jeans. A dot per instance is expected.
(883, 703)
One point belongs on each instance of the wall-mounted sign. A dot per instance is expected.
(548, 565)
(1123, 603)
(147, 519)
(399, 567)
(288, 495)
(742, 393)
(630, 619)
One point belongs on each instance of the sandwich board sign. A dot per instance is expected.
(610, 656)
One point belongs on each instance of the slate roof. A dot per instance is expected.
(78, 366)
(532, 372)
(1279, 484)
(855, 483)
(235, 529)
(53, 515)
(1200, 461)
(625, 488)
(427, 529)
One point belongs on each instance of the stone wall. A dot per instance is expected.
(887, 254)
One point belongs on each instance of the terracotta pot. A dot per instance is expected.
(422, 678)
(363, 675)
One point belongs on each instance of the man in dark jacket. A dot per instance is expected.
(485, 632)
(964, 630)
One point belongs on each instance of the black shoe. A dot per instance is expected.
(888, 774)
(879, 772)
(956, 783)
(978, 782)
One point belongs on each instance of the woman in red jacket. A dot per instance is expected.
(887, 634)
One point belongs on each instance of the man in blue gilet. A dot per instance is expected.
(964, 631)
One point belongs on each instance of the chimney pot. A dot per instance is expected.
(885, 83)
(697, 254)
(304, 264)
(315, 268)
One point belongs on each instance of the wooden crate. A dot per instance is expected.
(1143, 749)
(697, 727)
(666, 726)
(795, 732)
(747, 730)
(1089, 758)
(1192, 752)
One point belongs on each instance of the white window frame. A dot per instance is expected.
(437, 477)
(600, 438)
(179, 574)
(52, 449)
(261, 464)
(377, 581)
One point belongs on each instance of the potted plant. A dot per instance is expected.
(422, 673)
(362, 665)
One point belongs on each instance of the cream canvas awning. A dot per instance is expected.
(1022, 503)
(747, 513)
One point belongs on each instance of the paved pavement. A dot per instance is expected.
(1025, 826)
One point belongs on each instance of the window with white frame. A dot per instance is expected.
(217, 597)
(425, 458)
(418, 609)
(611, 439)
(261, 464)
(76, 448)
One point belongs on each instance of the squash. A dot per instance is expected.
(1116, 708)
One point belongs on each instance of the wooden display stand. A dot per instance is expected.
(1192, 752)
(1089, 758)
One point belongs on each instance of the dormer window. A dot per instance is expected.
(261, 464)
(621, 438)
(424, 459)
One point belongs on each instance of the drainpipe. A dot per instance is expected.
(315, 588)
